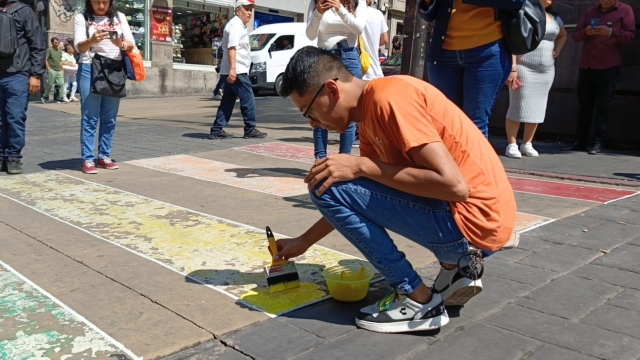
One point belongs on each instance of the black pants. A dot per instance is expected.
(595, 90)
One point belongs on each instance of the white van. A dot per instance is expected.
(272, 46)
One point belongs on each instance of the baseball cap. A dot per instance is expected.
(245, 2)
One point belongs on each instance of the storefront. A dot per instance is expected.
(264, 16)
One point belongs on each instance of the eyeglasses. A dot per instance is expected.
(306, 113)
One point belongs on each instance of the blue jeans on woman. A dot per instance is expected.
(362, 209)
(472, 79)
(96, 109)
(350, 59)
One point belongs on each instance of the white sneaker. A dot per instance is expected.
(397, 313)
(217, 97)
(513, 152)
(455, 288)
(527, 150)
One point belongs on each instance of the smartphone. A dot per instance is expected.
(595, 23)
(609, 24)
(515, 84)
(113, 35)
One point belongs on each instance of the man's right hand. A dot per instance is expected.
(232, 77)
(34, 85)
(290, 248)
(599, 31)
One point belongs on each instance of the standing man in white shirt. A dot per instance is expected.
(234, 71)
(375, 35)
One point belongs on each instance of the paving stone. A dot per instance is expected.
(480, 341)
(209, 350)
(586, 339)
(561, 258)
(363, 344)
(614, 213)
(331, 319)
(532, 243)
(583, 220)
(511, 255)
(429, 273)
(496, 293)
(568, 297)
(609, 275)
(635, 242)
(272, 339)
(632, 202)
(625, 257)
(550, 352)
(557, 230)
(628, 299)
(615, 319)
(517, 272)
(603, 237)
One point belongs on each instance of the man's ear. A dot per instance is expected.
(333, 88)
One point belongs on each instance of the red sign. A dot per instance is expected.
(161, 21)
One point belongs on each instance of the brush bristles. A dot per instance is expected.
(283, 282)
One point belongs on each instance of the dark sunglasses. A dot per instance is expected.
(305, 114)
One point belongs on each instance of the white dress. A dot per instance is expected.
(536, 71)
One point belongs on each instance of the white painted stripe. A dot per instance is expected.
(537, 226)
(71, 311)
(556, 196)
(624, 197)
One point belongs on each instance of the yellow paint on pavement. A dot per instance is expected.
(225, 255)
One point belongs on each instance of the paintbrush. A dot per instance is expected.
(281, 274)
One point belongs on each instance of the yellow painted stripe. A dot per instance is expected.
(226, 255)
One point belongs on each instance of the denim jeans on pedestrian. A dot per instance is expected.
(472, 79)
(95, 109)
(219, 85)
(14, 99)
(350, 59)
(362, 209)
(241, 88)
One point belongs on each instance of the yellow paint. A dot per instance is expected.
(348, 283)
(286, 300)
(217, 252)
(284, 286)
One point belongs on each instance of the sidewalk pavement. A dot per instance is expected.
(570, 291)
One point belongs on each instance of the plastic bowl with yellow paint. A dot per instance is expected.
(348, 282)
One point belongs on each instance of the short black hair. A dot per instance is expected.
(309, 68)
(54, 39)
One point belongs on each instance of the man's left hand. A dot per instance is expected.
(332, 169)
(602, 30)
(34, 85)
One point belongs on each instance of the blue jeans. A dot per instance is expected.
(362, 209)
(472, 79)
(219, 85)
(14, 99)
(95, 109)
(240, 88)
(350, 59)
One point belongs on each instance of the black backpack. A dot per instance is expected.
(523, 29)
(8, 31)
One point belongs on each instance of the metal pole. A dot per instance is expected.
(414, 42)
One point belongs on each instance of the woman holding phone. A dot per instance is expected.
(529, 83)
(337, 24)
(102, 30)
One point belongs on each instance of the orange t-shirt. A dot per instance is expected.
(402, 112)
(471, 26)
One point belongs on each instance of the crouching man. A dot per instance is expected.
(425, 171)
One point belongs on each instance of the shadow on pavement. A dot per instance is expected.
(67, 164)
(199, 135)
(280, 172)
(628, 175)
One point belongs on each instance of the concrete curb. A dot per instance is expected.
(590, 179)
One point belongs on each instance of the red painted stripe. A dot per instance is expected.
(533, 186)
(571, 191)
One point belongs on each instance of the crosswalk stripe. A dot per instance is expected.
(225, 255)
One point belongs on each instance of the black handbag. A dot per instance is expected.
(523, 29)
(108, 77)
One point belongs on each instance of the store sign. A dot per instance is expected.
(161, 20)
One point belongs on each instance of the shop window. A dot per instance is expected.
(135, 11)
(284, 42)
(198, 37)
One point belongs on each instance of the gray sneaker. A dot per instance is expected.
(255, 134)
(13, 166)
(397, 313)
(220, 135)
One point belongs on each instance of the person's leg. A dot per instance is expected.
(247, 102)
(90, 105)
(486, 69)
(447, 75)
(352, 62)
(605, 84)
(225, 109)
(59, 80)
(529, 132)
(74, 86)
(216, 91)
(586, 100)
(4, 126)
(320, 141)
(67, 81)
(108, 115)
(16, 99)
(512, 128)
(47, 89)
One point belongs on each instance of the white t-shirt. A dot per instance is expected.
(104, 47)
(334, 26)
(376, 26)
(235, 35)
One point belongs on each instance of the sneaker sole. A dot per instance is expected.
(106, 168)
(14, 172)
(90, 172)
(405, 326)
(461, 294)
